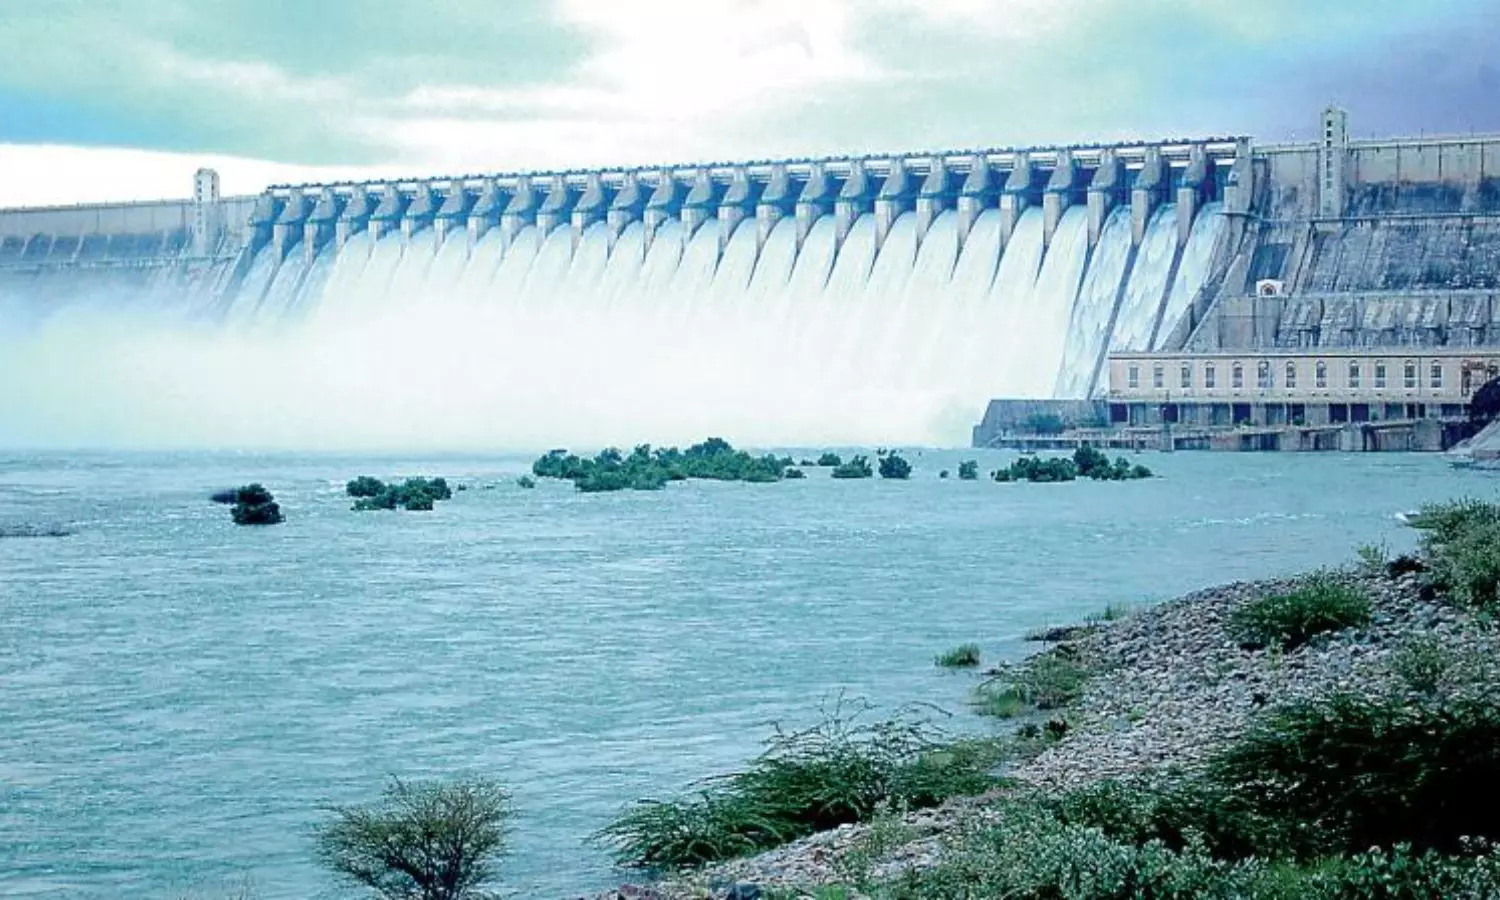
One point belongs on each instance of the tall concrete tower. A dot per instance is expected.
(1332, 156)
(206, 211)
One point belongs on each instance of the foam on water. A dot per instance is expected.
(488, 342)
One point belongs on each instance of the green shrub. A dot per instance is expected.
(648, 469)
(794, 474)
(1373, 772)
(968, 470)
(858, 467)
(413, 495)
(365, 486)
(964, 656)
(429, 840)
(1444, 522)
(1038, 469)
(526, 482)
(254, 505)
(1467, 567)
(1421, 664)
(830, 461)
(1046, 681)
(838, 772)
(1031, 855)
(892, 465)
(1092, 463)
(1320, 605)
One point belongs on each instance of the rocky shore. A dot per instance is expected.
(1169, 686)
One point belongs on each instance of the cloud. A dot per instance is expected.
(450, 85)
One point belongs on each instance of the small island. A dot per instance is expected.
(412, 495)
(1086, 462)
(651, 469)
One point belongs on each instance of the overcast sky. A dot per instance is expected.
(115, 99)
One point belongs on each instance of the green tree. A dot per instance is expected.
(420, 841)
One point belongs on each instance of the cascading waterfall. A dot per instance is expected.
(1003, 320)
(1192, 271)
(1045, 324)
(926, 305)
(1148, 283)
(811, 338)
(1088, 331)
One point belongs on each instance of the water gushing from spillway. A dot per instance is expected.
(533, 339)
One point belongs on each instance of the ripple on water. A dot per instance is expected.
(181, 696)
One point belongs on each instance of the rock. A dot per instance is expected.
(743, 892)
(34, 531)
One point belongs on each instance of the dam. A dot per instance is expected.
(919, 286)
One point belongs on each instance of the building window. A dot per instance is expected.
(1158, 376)
(1379, 374)
(1321, 375)
(1263, 375)
(1187, 376)
(1291, 376)
(1354, 374)
(1436, 378)
(1237, 376)
(1210, 376)
(1133, 378)
(1410, 374)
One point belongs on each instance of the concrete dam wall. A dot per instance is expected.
(1360, 244)
(965, 275)
(928, 283)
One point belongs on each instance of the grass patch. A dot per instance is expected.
(964, 656)
(1047, 681)
(840, 771)
(1320, 605)
(1422, 663)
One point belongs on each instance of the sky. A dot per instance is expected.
(123, 99)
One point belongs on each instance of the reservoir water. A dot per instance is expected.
(179, 697)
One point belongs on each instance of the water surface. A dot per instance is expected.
(179, 697)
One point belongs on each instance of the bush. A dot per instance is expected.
(365, 486)
(1360, 772)
(838, 772)
(964, 656)
(892, 465)
(1038, 469)
(858, 467)
(1320, 605)
(1092, 463)
(422, 840)
(830, 461)
(1463, 547)
(225, 497)
(794, 474)
(648, 469)
(968, 470)
(1046, 681)
(1421, 663)
(254, 505)
(526, 482)
(413, 494)
(1031, 855)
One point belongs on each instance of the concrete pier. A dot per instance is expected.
(1015, 197)
(1058, 195)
